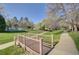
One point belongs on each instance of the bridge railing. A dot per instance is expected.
(32, 44)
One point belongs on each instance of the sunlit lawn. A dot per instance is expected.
(35, 31)
(7, 37)
(13, 50)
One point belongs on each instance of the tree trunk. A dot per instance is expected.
(72, 27)
(75, 28)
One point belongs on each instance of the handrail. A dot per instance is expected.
(29, 38)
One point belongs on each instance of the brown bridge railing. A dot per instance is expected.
(34, 45)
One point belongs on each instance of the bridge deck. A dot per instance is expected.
(35, 45)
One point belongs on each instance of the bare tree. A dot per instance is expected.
(69, 13)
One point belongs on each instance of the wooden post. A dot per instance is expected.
(23, 40)
(19, 38)
(41, 46)
(15, 40)
(52, 41)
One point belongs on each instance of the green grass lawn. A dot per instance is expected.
(35, 31)
(75, 37)
(7, 37)
(13, 50)
(46, 38)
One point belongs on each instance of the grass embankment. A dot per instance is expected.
(13, 50)
(48, 36)
(75, 37)
(56, 35)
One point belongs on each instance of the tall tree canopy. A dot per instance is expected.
(25, 23)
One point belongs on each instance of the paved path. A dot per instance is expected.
(66, 46)
(6, 45)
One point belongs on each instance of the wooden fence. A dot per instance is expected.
(34, 45)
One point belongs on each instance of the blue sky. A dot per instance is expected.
(34, 11)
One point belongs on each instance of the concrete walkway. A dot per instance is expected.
(66, 46)
(6, 45)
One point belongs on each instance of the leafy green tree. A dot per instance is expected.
(2, 23)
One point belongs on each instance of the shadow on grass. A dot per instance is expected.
(13, 31)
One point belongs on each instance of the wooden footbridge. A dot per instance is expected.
(34, 45)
